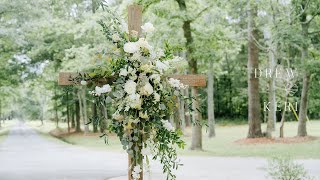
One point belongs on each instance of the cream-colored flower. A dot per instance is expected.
(146, 68)
(147, 89)
(117, 116)
(130, 87)
(155, 78)
(142, 43)
(156, 97)
(143, 115)
(135, 101)
(148, 27)
(123, 72)
(83, 83)
(115, 38)
(131, 47)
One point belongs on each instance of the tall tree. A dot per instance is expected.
(253, 82)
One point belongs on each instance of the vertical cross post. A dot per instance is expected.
(134, 24)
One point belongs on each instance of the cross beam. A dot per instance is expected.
(192, 80)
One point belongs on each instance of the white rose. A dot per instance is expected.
(123, 72)
(131, 47)
(142, 43)
(115, 38)
(136, 57)
(148, 27)
(167, 125)
(130, 87)
(83, 83)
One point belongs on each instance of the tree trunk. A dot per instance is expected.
(196, 129)
(302, 126)
(77, 104)
(272, 95)
(283, 118)
(95, 118)
(211, 121)
(56, 107)
(103, 118)
(253, 83)
(182, 112)
(83, 109)
(73, 123)
(187, 110)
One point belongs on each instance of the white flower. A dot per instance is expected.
(83, 83)
(162, 66)
(123, 72)
(136, 56)
(176, 83)
(130, 87)
(146, 89)
(131, 47)
(100, 90)
(115, 38)
(156, 97)
(134, 101)
(148, 27)
(136, 172)
(167, 125)
(142, 43)
(146, 68)
(155, 77)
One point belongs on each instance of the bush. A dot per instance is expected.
(286, 169)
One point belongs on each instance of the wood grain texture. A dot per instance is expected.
(192, 80)
(65, 77)
(135, 18)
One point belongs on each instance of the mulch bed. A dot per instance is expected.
(285, 140)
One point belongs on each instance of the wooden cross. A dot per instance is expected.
(134, 23)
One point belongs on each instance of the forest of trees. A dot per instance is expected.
(227, 40)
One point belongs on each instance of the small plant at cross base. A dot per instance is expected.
(286, 169)
(141, 93)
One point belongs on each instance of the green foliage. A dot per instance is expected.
(286, 169)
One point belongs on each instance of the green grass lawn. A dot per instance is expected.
(222, 145)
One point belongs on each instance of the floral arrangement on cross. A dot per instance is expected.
(142, 94)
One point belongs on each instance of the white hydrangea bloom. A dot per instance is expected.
(130, 87)
(131, 47)
(174, 82)
(167, 125)
(148, 27)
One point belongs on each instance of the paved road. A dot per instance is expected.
(25, 155)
